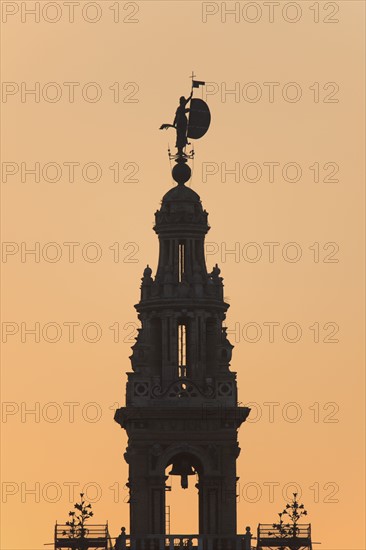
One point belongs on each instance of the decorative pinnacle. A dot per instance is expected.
(193, 127)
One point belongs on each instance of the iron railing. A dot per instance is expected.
(287, 536)
(90, 536)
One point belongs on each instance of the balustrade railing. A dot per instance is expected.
(183, 542)
(97, 536)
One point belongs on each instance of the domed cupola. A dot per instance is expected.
(181, 224)
(181, 209)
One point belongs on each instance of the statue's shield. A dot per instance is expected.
(199, 119)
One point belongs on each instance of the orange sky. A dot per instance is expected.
(82, 294)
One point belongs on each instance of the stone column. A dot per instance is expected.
(208, 494)
(157, 504)
(147, 505)
(217, 505)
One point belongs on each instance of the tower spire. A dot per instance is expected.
(181, 397)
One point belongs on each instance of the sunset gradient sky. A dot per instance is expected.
(295, 268)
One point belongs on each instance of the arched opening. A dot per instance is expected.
(182, 350)
(185, 355)
(181, 260)
(182, 505)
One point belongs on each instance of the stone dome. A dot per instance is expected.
(181, 206)
(181, 193)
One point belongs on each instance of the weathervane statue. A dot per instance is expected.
(193, 127)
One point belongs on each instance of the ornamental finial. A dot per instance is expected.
(193, 127)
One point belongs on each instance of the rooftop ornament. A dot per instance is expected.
(193, 127)
(294, 511)
(78, 534)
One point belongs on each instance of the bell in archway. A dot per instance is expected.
(181, 467)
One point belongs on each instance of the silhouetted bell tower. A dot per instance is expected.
(181, 400)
